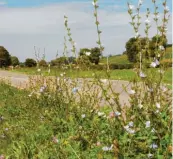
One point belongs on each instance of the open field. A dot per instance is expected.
(124, 74)
(122, 59)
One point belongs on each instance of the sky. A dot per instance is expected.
(40, 23)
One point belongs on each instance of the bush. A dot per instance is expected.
(14, 61)
(121, 66)
(43, 63)
(30, 62)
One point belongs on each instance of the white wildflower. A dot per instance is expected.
(88, 53)
(158, 105)
(94, 3)
(131, 124)
(74, 90)
(142, 75)
(147, 124)
(153, 64)
(101, 113)
(154, 146)
(140, 106)
(39, 70)
(157, 111)
(150, 155)
(83, 115)
(106, 148)
(132, 92)
(42, 89)
(147, 21)
(126, 127)
(136, 35)
(161, 48)
(140, 2)
(117, 113)
(131, 131)
(131, 7)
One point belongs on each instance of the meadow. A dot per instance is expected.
(68, 118)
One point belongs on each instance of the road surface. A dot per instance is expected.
(20, 80)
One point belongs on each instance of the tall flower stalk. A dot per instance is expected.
(96, 6)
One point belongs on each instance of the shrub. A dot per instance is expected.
(14, 61)
(30, 62)
(121, 66)
(43, 63)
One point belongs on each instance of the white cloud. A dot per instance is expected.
(23, 28)
(2, 3)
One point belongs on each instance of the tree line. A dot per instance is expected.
(89, 55)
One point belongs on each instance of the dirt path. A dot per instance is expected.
(21, 80)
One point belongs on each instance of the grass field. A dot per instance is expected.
(124, 74)
(119, 59)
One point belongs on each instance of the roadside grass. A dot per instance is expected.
(124, 74)
(32, 127)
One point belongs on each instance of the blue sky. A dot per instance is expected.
(29, 23)
(103, 3)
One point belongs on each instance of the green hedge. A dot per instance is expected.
(121, 66)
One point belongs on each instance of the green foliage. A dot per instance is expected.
(95, 55)
(83, 51)
(92, 55)
(59, 62)
(30, 62)
(133, 47)
(121, 59)
(43, 63)
(14, 61)
(155, 42)
(5, 59)
(121, 66)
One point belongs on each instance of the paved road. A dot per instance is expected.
(21, 80)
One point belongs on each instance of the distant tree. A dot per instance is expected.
(59, 61)
(95, 55)
(14, 61)
(43, 63)
(5, 59)
(133, 48)
(30, 62)
(83, 51)
(156, 41)
(92, 55)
